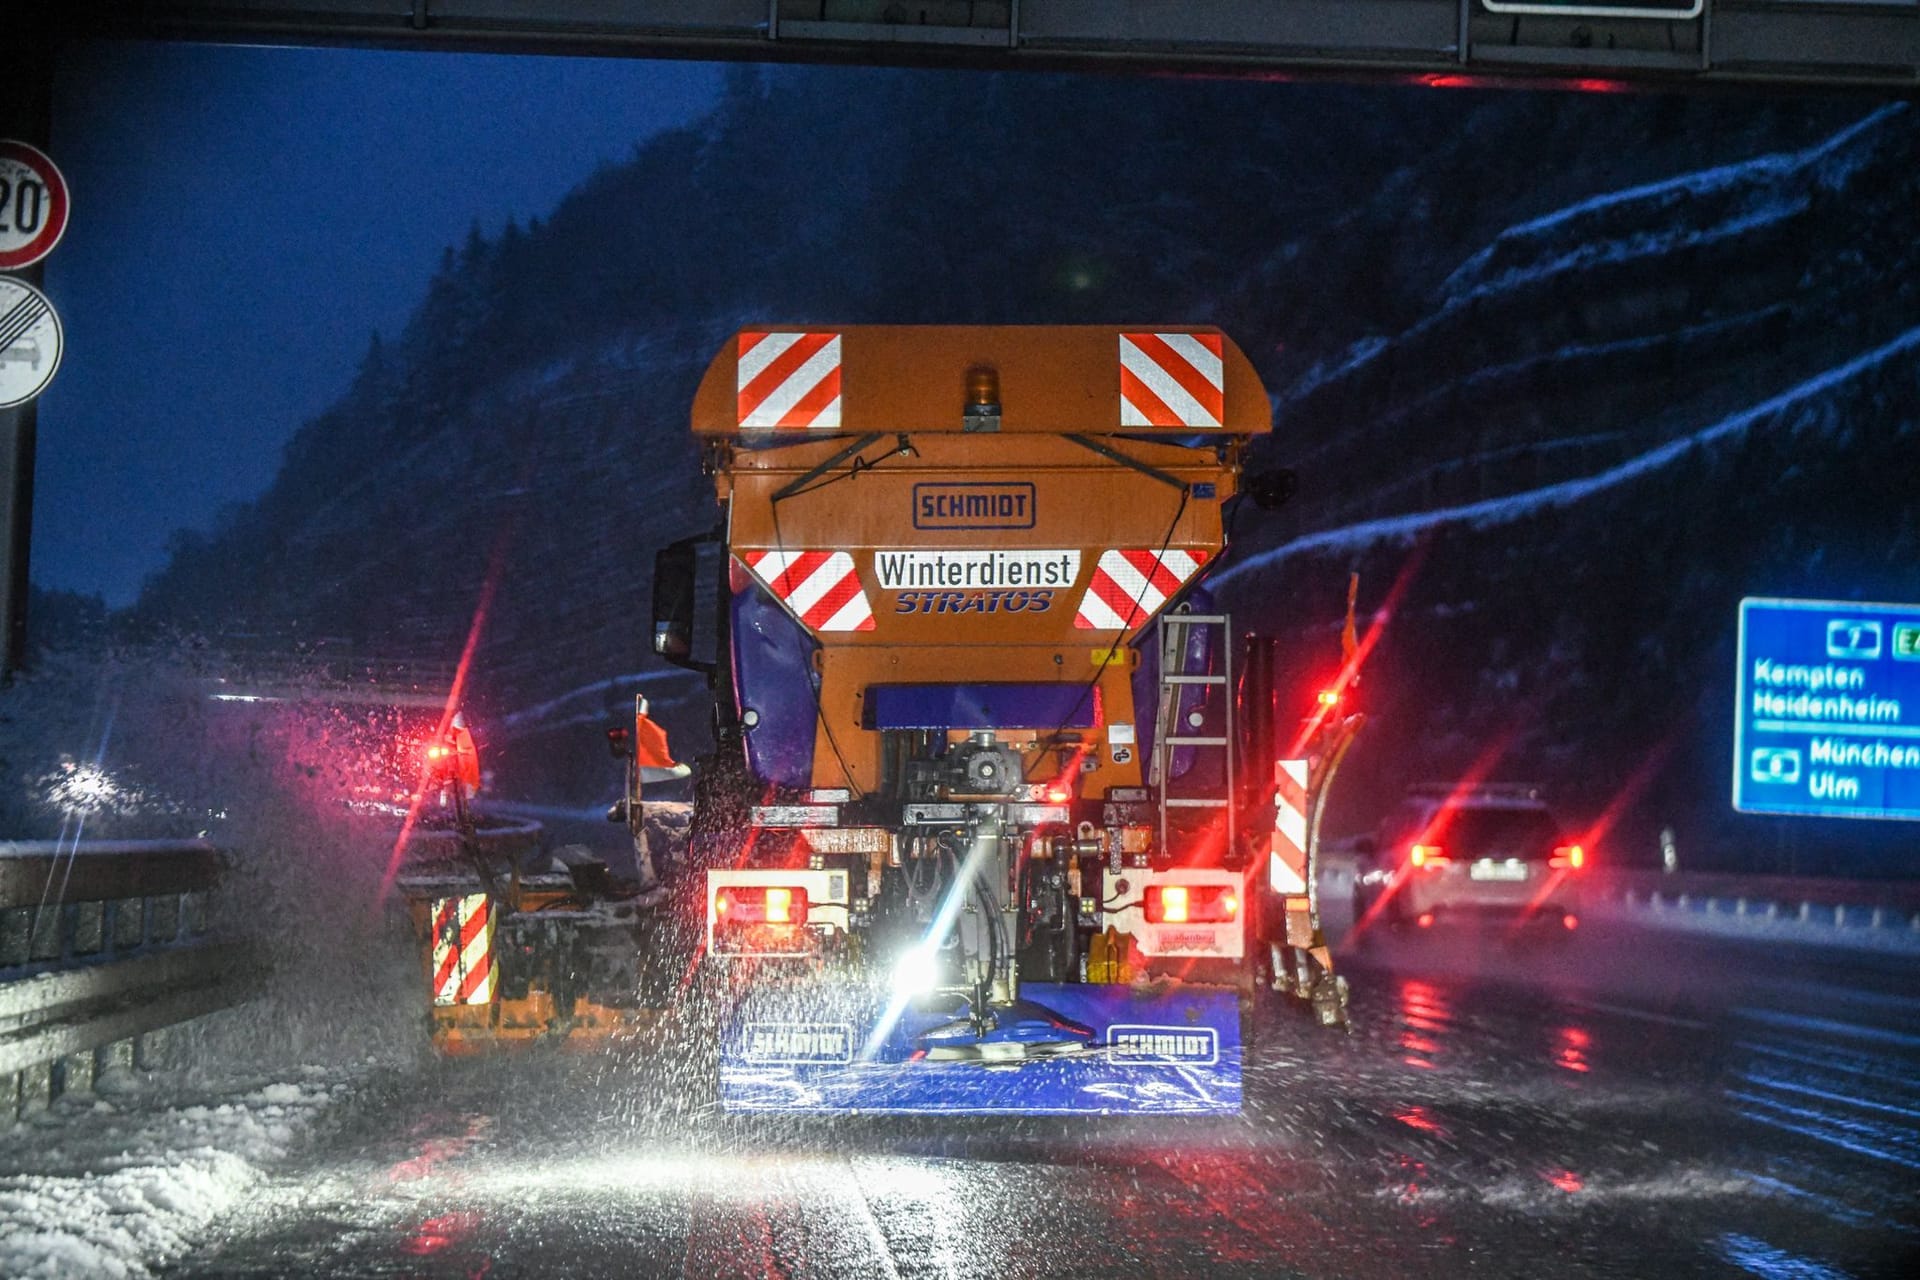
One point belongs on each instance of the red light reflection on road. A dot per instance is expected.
(436, 1151)
(1570, 1049)
(437, 1234)
(1564, 1179)
(1246, 1213)
(1418, 1118)
(1413, 1190)
(1421, 1007)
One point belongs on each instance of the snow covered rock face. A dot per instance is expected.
(1613, 422)
(1584, 337)
(117, 1185)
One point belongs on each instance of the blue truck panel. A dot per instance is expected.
(773, 677)
(1116, 1050)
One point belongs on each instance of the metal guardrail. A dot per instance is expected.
(1873, 915)
(1862, 914)
(1890, 897)
(102, 945)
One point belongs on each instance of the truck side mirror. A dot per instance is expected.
(674, 570)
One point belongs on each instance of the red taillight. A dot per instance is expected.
(1429, 856)
(760, 904)
(450, 756)
(1191, 904)
(1568, 857)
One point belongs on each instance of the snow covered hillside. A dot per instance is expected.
(1573, 398)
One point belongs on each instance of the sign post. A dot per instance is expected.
(1827, 711)
(26, 108)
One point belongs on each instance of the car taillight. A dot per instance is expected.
(760, 904)
(1191, 904)
(1568, 857)
(1429, 856)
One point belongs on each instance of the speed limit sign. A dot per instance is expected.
(33, 205)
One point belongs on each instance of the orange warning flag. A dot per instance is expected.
(650, 744)
(466, 760)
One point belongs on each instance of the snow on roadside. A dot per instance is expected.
(120, 1182)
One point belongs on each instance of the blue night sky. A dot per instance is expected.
(243, 220)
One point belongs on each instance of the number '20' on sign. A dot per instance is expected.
(33, 205)
(23, 206)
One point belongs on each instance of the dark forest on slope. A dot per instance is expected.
(1443, 301)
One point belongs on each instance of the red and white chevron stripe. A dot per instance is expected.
(821, 587)
(1287, 863)
(1129, 587)
(462, 950)
(1172, 380)
(790, 381)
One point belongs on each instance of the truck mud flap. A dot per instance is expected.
(1064, 1049)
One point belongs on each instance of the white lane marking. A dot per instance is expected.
(1803, 1022)
(1641, 1015)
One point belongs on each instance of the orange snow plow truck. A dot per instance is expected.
(1002, 815)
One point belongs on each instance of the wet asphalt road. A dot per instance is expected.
(1615, 1106)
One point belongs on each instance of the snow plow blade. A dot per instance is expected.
(1062, 1049)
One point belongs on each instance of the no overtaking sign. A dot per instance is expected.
(29, 342)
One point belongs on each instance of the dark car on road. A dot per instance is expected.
(1465, 854)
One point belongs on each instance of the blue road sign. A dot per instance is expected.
(1827, 712)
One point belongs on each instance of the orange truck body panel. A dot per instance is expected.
(940, 611)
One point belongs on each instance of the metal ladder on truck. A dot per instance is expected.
(1172, 734)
